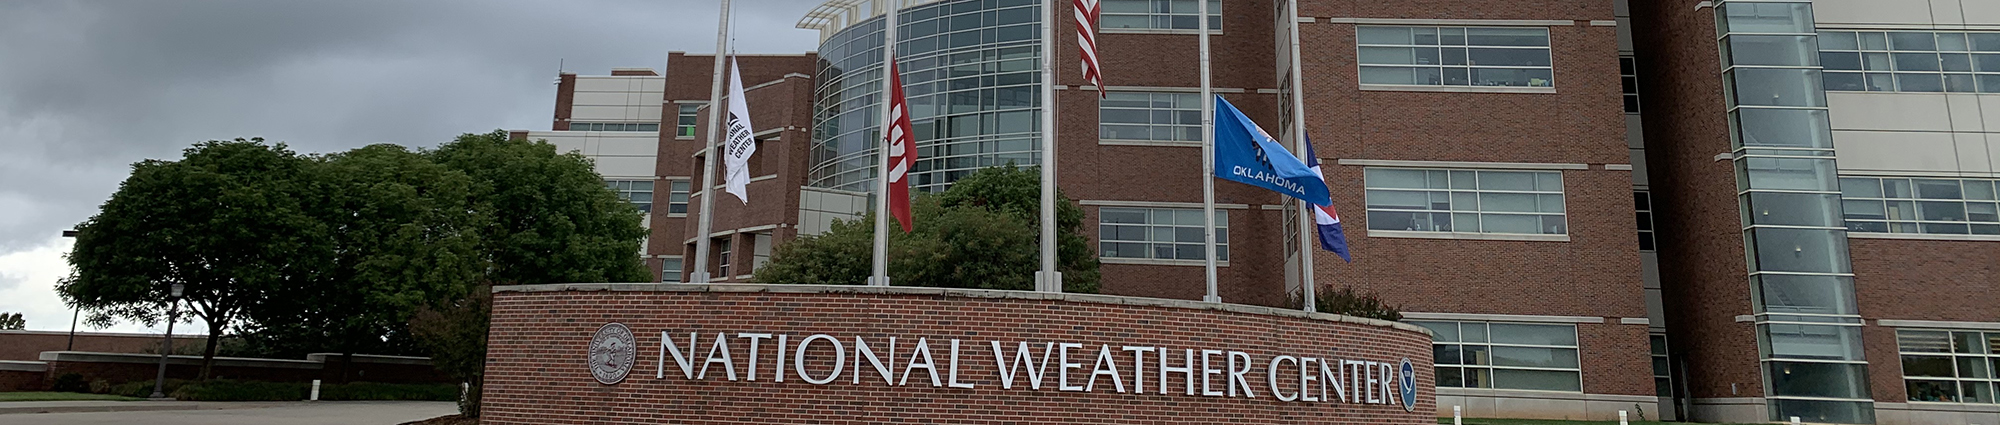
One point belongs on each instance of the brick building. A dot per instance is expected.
(1475, 148)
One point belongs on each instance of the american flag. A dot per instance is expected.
(1087, 13)
(902, 154)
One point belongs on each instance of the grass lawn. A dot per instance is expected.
(56, 396)
(1481, 421)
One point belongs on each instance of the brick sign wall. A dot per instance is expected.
(538, 369)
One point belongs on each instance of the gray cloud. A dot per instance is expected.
(87, 88)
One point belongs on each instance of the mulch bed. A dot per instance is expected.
(446, 420)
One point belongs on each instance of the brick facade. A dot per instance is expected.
(29, 345)
(537, 362)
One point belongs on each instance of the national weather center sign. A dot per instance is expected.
(1022, 365)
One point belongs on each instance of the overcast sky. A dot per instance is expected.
(89, 87)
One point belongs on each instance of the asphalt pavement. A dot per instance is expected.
(221, 413)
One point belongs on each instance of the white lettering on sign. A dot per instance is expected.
(1290, 378)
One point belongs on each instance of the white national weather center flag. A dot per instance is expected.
(739, 145)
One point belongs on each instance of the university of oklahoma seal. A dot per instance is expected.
(612, 352)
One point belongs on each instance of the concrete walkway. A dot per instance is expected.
(221, 413)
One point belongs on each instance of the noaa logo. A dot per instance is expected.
(612, 353)
(1406, 381)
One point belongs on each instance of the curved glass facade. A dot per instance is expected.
(971, 72)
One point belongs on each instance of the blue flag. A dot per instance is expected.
(1246, 154)
(1331, 236)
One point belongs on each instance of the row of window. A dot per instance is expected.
(1516, 356)
(1455, 56)
(640, 194)
(612, 126)
(1158, 233)
(1950, 366)
(1911, 61)
(1918, 205)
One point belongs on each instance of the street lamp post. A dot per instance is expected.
(77, 312)
(167, 343)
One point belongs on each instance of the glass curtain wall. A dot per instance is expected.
(971, 73)
(1802, 287)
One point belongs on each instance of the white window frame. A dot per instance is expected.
(1153, 112)
(1450, 191)
(1959, 360)
(685, 110)
(1106, 18)
(1470, 68)
(627, 189)
(671, 274)
(1893, 75)
(1895, 220)
(1648, 230)
(1151, 230)
(1492, 380)
(686, 195)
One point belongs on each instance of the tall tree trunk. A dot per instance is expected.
(208, 356)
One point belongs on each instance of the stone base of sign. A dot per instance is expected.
(1087, 359)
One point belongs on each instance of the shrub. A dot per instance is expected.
(143, 389)
(70, 383)
(1351, 302)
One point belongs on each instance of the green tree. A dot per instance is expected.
(1349, 301)
(12, 322)
(393, 233)
(226, 221)
(544, 218)
(982, 233)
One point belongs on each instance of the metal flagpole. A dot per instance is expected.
(880, 277)
(1207, 156)
(1048, 279)
(1306, 215)
(715, 112)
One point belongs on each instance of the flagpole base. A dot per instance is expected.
(878, 281)
(1212, 298)
(698, 277)
(1048, 282)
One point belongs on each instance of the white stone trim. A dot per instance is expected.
(1500, 318)
(1159, 262)
(1453, 22)
(1407, 234)
(735, 231)
(1156, 204)
(1922, 236)
(1931, 324)
(1603, 23)
(943, 292)
(1635, 321)
(1149, 143)
(1543, 395)
(23, 366)
(1618, 167)
(1163, 89)
(1458, 89)
(1462, 164)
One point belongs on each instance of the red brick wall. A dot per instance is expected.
(1918, 280)
(565, 98)
(1702, 268)
(17, 380)
(29, 345)
(537, 373)
(189, 367)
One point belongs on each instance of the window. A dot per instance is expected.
(1949, 366)
(1455, 56)
(1159, 14)
(1628, 72)
(1663, 369)
(1516, 356)
(677, 197)
(1911, 61)
(1161, 117)
(1929, 206)
(1643, 202)
(685, 127)
(638, 192)
(1158, 233)
(670, 270)
(1465, 201)
(760, 253)
(722, 255)
(612, 126)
